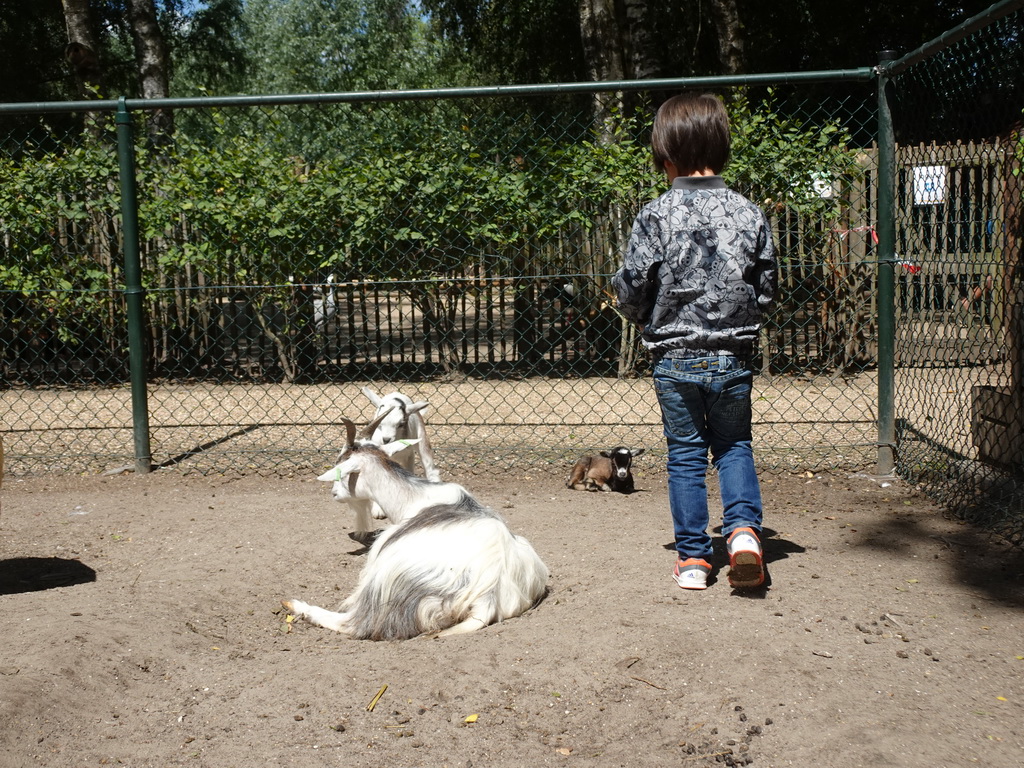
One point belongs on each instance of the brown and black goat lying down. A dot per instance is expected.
(611, 471)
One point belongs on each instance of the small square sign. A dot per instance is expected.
(929, 184)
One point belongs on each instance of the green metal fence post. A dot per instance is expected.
(133, 290)
(886, 228)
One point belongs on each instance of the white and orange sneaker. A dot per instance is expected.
(692, 573)
(746, 561)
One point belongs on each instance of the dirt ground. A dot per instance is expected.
(143, 627)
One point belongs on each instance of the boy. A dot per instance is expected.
(698, 274)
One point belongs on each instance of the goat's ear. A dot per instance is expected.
(606, 454)
(373, 396)
(337, 473)
(636, 452)
(330, 475)
(416, 407)
(398, 445)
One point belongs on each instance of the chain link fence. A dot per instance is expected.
(958, 114)
(458, 246)
(458, 249)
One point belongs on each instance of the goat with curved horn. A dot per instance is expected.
(370, 428)
(448, 565)
(404, 421)
(365, 434)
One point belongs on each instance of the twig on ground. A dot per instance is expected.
(373, 702)
(649, 683)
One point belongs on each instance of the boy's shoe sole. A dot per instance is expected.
(746, 565)
(692, 573)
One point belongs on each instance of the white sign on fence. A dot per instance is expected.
(929, 184)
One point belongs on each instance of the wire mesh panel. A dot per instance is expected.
(459, 246)
(62, 328)
(458, 249)
(959, 370)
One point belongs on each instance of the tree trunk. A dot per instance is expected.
(644, 56)
(438, 303)
(726, 18)
(603, 30)
(152, 63)
(82, 47)
(618, 45)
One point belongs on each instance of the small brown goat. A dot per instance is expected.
(611, 471)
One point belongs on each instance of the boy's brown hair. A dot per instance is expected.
(692, 132)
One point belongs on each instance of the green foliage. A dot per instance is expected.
(56, 211)
(538, 41)
(805, 35)
(226, 205)
(31, 63)
(230, 211)
(440, 208)
(329, 46)
(777, 161)
(209, 50)
(521, 41)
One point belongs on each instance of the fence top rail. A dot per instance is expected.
(861, 74)
(945, 40)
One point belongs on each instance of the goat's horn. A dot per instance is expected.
(350, 432)
(369, 428)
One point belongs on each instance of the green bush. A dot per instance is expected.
(226, 212)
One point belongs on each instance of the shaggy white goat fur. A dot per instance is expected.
(449, 565)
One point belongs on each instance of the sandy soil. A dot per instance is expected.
(143, 627)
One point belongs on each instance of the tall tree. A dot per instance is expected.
(836, 34)
(82, 50)
(32, 44)
(152, 62)
(311, 46)
(604, 33)
(72, 49)
(729, 31)
(209, 51)
(645, 55)
(616, 46)
(150, 50)
(519, 41)
(530, 40)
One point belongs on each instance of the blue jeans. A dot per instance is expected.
(705, 406)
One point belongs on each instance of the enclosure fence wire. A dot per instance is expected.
(460, 249)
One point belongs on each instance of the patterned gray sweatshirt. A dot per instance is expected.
(699, 271)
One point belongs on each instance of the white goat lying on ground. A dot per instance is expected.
(449, 565)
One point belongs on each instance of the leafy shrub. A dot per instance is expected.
(225, 212)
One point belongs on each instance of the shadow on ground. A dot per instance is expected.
(977, 559)
(35, 574)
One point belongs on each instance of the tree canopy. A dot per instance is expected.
(260, 46)
(540, 40)
(324, 46)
